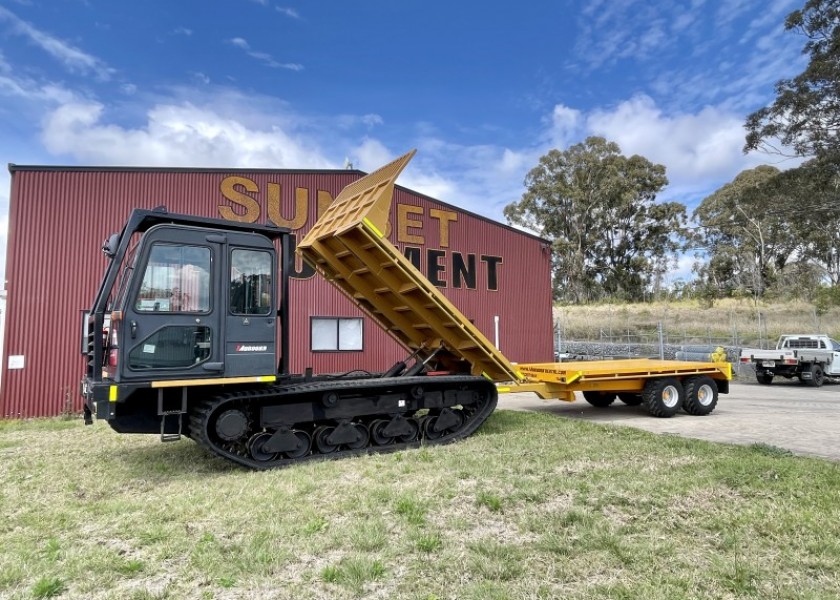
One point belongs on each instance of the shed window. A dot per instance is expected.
(332, 334)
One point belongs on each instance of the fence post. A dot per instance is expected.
(661, 342)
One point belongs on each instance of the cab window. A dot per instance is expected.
(176, 279)
(250, 282)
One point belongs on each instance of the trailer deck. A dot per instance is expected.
(622, 375)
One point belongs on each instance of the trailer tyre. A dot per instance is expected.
(599, 399)
(817, 376)
(630, 398)
(701, 395)
(663, 397)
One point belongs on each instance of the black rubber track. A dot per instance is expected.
(251, 399)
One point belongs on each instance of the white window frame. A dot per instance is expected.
(339, 343)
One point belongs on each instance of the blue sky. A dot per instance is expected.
(481, 89)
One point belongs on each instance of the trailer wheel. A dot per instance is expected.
(630, 398)
(817, 376)
(663, 397)
(599, 399)
(763, 377)
(701, 395)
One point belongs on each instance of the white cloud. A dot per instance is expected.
(239, 43)
(73, 59)
(223, 128)
(33, 91)
(175, 135)
(701, 150)
(565, 126)
(289, 12)
(369, 121)
(263, 57)
(371, 154)
(630, 29)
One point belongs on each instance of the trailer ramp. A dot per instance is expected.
(349, 248)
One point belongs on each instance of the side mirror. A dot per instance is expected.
(109, 246)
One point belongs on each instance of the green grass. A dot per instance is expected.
(532, 506)
(48, 587)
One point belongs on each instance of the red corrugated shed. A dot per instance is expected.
(59, 216)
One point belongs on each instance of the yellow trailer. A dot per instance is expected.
(349, 248)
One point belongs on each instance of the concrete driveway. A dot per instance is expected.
(788, 415)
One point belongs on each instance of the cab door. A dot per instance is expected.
(251, 318)
(172, 325)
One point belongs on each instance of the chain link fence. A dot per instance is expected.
(663, 343)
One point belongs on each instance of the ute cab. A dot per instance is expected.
(185, 302)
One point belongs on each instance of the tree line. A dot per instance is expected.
(766, 234)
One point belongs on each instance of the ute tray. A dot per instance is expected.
(348, 247)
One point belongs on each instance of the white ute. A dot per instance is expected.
(809, 357)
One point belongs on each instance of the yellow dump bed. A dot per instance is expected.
(348, 247)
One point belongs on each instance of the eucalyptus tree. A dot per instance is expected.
(747, 233)
(598, 207)
(805, 116)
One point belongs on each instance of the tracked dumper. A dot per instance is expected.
(182, 339)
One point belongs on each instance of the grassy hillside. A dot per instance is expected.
(689, 321)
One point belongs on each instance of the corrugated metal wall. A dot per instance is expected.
(58, 218)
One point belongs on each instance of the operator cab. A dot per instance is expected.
(191, 298)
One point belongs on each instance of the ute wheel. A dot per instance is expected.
(630, 398)
(304, 445)
(320, 438)
(599, 399)
(255, 445)
(364, 437)
(817, 376)
(663, 397)
(701, 395)
(763, 377)
(376, 434)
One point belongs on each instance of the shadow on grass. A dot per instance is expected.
(185, 458)
(177, 459)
